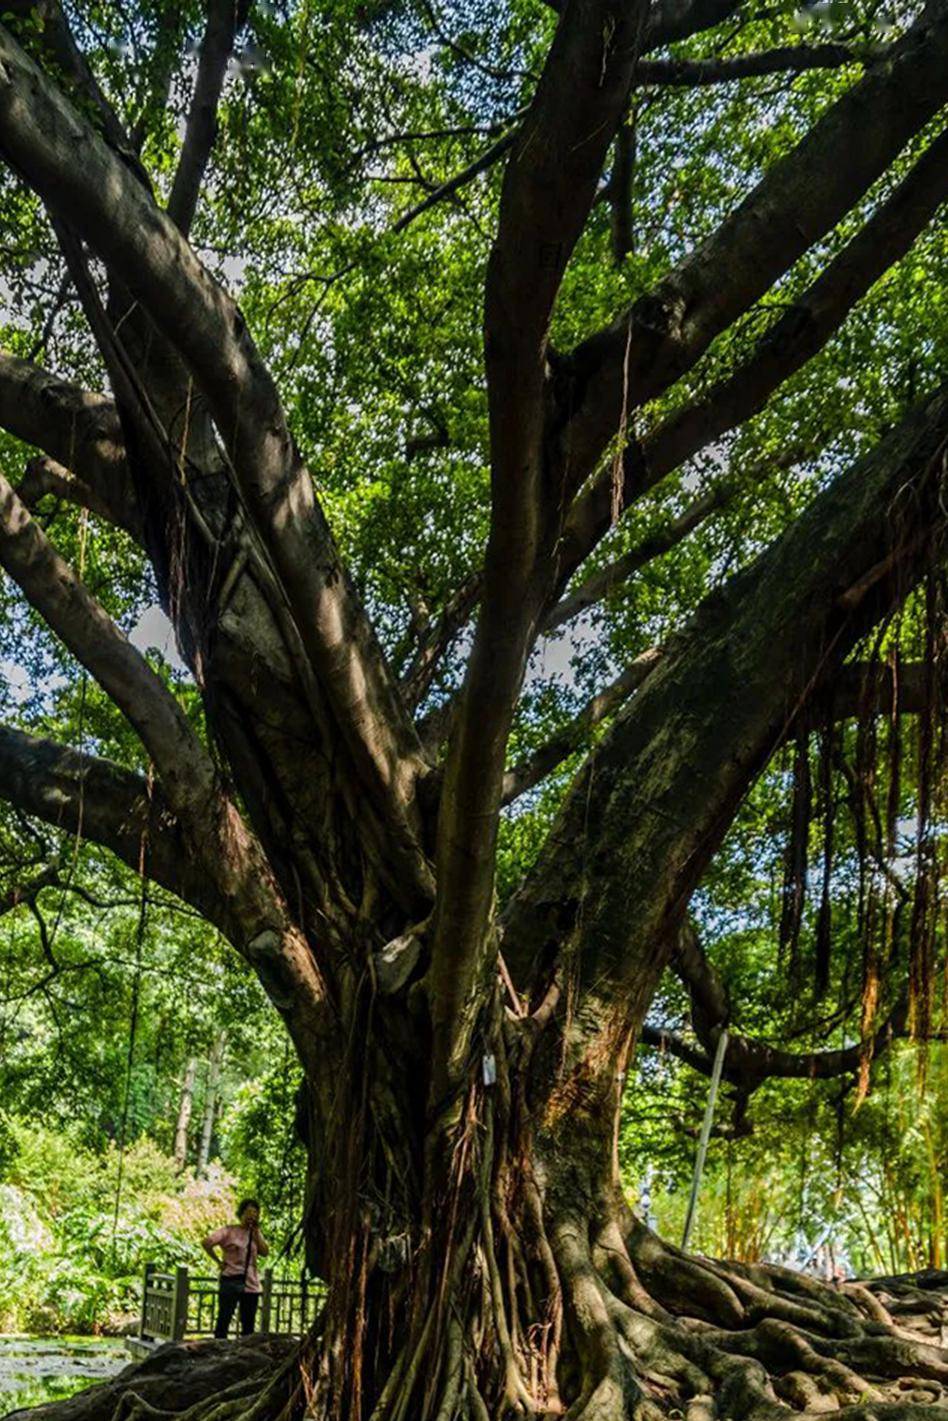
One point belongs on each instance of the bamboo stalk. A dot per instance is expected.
(705, 1135)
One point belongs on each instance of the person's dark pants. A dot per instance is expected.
(231, 1295)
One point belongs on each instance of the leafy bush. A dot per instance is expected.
(70, 1260)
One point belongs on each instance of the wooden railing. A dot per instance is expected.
(184, 1304)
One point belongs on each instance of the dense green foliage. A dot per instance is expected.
(95, 1056)
(816, 1183)
(69, 1262)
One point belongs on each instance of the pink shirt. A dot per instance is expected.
(233, 1240)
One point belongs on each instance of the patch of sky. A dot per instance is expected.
(20, 685)
(153, 632)
(29, 683)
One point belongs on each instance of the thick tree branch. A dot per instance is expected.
(620, 188)
(790, 342)
(549, 186)
(812, 319)
(671, 20)
(710, 1001)
(789, 59)
(749, 1061)
(232, 617)
(252, 911)
(657, 794)
(102, 201)
(143, 248)
(103, 802)
(802, 197)
(100, 801)
(82, 434)
(55, 38)
(224, 20)
(45, 477)
(184, 767)
(606, 580)
(257, 919)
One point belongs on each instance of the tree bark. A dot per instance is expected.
(185, 1108)
(210, 1101)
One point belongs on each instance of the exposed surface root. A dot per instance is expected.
(800, 1347)
(643, 1332)
(204, 1381)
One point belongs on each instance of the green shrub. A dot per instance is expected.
(70, 1261)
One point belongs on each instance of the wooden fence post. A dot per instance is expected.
(266, 1298)
(179, 1304)
(146, 1284)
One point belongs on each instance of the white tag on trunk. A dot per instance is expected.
(489, 1066)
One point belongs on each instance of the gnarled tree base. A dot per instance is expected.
(647, 1332)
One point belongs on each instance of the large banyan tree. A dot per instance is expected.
(555, 289)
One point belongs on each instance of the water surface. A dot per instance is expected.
(38, 1369)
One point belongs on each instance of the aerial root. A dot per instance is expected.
(232, 1402)
(132, 1407)
(453, 1373)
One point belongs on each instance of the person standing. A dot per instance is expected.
(240, 1245)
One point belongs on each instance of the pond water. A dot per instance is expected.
(38, 1369)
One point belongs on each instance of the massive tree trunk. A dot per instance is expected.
(463, 1064)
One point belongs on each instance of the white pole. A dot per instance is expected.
(705, 1136)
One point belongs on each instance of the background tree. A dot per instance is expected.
(671, 280)
(99, 1023)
